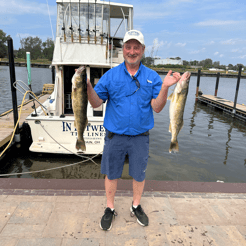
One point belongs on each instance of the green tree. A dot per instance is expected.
(148, 61)
(3, 44)
(208, 63)
(32, 45)
(216, 64)
(48, 49)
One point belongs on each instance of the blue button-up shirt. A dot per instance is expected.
(128, 112)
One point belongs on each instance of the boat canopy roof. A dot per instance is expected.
(115, 8)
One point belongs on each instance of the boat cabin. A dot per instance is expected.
(89, 33)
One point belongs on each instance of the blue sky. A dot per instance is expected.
(190, 29)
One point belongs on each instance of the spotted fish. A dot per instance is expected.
(79, 104)
(176, 109)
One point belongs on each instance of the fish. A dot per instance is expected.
(79, 105)
(176, 109)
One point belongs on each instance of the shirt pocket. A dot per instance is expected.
(145, 95)
(116, 94)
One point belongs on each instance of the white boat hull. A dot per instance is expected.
(58, 135)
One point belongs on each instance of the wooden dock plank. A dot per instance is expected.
(225, 105)
(7, 120)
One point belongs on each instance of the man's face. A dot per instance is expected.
(133, 52)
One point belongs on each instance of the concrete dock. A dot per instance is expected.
(47, 214)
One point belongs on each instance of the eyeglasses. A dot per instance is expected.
(137, 83)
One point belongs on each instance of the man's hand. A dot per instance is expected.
(171, 80)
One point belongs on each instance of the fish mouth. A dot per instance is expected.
(80, 69)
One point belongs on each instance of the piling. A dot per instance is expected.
(237, 89)
(217, 84)
(198, 83)
(28, 63)
(53, 74)
(13, 89)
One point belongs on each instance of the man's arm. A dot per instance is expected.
(159, 103)
(93, 98)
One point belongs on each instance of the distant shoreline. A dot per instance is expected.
(203, 74)
(164, 71)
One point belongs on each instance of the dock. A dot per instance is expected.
(68, 212)
(224, 105)
(23, 64)
(7, 119)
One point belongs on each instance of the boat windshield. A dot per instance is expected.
(90, 22)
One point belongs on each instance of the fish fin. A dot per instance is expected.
(80, 144)
(174, 146)
(179, 89)
(170, 97)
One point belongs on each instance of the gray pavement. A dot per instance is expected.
(72, 219)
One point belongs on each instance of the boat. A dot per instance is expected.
(88, 33)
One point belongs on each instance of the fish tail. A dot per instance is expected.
(80, 144)
(174, 146)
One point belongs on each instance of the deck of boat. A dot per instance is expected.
(7, 119)
(224, 105)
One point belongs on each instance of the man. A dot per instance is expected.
(132, 92)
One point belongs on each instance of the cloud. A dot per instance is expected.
(156, 43)
(22, 7)
(181, 44)
(210, 43)
(25, 35)
(216, 53)
(7, 21)
(242, 57)
(230, 42)
(198, 51)
(236, 51)
(218, 23)
(155, 46)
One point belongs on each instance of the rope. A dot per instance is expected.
(39, 171)
(50, 169)
(91, 159)
(12, 137)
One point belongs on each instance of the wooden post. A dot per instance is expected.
(53, 74)
(217, 84)
(237, 89)
(198, 83)
(13, 89)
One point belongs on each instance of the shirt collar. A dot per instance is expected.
(137, 73)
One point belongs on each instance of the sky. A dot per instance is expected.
(189, 29)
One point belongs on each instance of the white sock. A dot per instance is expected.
(112, 209)
(135, 206)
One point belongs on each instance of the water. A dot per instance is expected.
(212, 144)
(40, 76)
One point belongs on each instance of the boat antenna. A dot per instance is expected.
(88, 29)
(71, 27)
(102, 23)
(95, 23)
(63, 27)
(108, 34)
(79, 24)
(50, 21)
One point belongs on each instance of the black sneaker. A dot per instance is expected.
(142, 218)
(106, 221)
